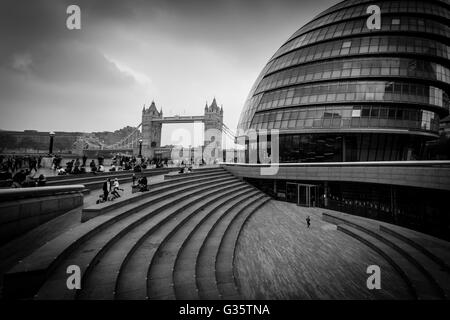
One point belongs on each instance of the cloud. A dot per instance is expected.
(177, 52)
(139, 77)
(22, 62)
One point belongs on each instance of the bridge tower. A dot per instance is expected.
(151, 129)
(213, 124)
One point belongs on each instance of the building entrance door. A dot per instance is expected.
(291, 192)
(304, 195)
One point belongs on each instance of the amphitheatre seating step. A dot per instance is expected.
(420, 286)
(98, 183)
(24, 279)
(184, 276)
(226, 281)
(135, 273)
(434, 249)
(92, 249)
(90, 178)
(100, 281)
(438, 278)
(176, 174)
(206, 168)
(110, 174)
(205, 266)
(105, 207)
(167, 252)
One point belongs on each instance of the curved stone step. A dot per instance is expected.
(160, 273)
(226, 281)
(373, 230)
(431, 255)
(87, 249)
(206, 259)
(92, 178)
(132, 279)
(100, 281)
(418, 284)
(176, 174)
(438, 275)
(106, 207)
(184, 274)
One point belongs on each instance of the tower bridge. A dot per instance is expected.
(149, 130)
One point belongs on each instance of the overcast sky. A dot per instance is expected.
(127, 53)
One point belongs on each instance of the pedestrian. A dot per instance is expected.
(308, 221)
(115, 188)
(106, 186)
(41, 180)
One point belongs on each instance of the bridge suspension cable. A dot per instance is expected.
(130, 141)
(228, 132)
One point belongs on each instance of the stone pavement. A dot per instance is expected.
(278, 257)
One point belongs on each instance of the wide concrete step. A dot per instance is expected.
(184, 274)
(102, 208)
(226, 281)
(417, 282)
(169, 250)
(108, 174)
(410, 253)
(207, 168)
(132, 279)
(26, 277)
(89, 177)
(100, 281)
(434, 249)
(205, 266)
(194, 173)
(433, 271)
(91, 250)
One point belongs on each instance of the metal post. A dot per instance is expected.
(140, 148)
(50, 148)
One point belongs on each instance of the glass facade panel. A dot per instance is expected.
(356, 91)
(375, 67)
(338, 116)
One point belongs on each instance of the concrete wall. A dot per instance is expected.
(24, 209)
(422, 174)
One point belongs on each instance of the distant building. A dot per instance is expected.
(37, 140)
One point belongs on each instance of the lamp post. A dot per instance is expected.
(50, 148)
(140, 148)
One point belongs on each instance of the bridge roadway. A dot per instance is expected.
(180, 119)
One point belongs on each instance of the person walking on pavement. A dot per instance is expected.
(308, 221)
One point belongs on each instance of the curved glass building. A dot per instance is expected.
(338, 91)
(354, 106)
